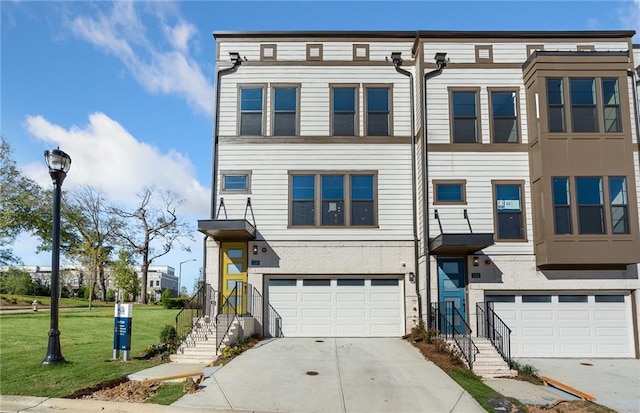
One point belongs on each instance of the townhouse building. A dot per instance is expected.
(361, 178)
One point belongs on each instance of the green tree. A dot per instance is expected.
(15, 281)
(125, 275)
(164, 297)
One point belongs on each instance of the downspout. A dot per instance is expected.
(635, 83)
(237, 61)
(397, 62)
(441, 61)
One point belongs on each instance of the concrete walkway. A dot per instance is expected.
(332, 375)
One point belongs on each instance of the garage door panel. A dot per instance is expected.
(351, 297)
(316, 329)
(388, 297)
(355, 328)
(351, 312)
(289, 297)
(316, 312)
(591, 327)
(316, 297)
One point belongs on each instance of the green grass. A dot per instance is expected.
(86, 339)
(167, 393)
(475, 387)
(26, 300)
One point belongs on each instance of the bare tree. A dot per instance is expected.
(153, 228)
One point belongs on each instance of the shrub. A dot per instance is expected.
(177, 302)
(524, 369)
(168, 335)
(111, 295)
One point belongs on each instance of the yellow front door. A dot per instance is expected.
(234, 275)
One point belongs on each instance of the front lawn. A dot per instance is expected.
(12, 300)
(86, 340)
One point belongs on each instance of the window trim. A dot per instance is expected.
(484, 47)
(245, 172)
(318, 198)
(355, 48)
(598, 107)
(605, 106)
(365, 102)
(264, 57)
(523, 209)
(356, 86)
(453, 89)
(515, 90)
(239, 88)
(606, 212)
(461, 182)
(570, 205)
(566, 121)
(611, 205)
(272, 109)
(320, 48)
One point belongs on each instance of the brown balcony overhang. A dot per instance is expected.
(459, 244)
(227, 229)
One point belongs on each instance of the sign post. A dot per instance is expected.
(122, 331)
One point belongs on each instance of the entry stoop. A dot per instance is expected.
(489, 363)
(200, 345)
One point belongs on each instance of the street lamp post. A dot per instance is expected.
(180, 274)
(59, 164)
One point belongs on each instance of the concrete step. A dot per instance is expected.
(488, 374)
(191, 360)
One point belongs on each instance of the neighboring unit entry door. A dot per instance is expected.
(234, 275)
(452, 287)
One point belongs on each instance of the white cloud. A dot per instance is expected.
(107, 157)
(629, 16)
(161, 67)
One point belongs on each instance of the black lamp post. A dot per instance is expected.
(59, 164)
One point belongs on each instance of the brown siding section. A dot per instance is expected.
(578, 154)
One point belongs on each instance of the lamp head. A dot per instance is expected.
(58, 163)
(396, 57)
(441, 59)
(235, 58)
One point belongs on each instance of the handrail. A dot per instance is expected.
(194, 309)
(494, 329)
(451, 324)
(226, 316)
(274, 323)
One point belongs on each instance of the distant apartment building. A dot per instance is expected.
(159, 278)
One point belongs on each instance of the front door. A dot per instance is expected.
(452, 286)
(234, 275)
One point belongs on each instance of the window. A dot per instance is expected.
(590, 202)
(609, 298)
(377, 111)
(316, 283)
(151, 283)
(449, 192)
(508, 211)
(344, 111)
(302, 200)
(500, 298)
(282, 283)
(342, 199)
(332, 189)
(504, 116)
(251, 111)
(351, 283)
(235, 181)
(284, 111)
(584, 117)
(157, 283)
(619, 202)
(555, 100)
(534, 298)
(465, 116)
(611, 105)
(562, 206)
(384, 282)
(573, 298)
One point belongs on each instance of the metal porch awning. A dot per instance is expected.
(227, 229)
(460, 244)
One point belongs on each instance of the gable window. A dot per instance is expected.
(377, 100)
(562, 206)
(302, 200)
(235, 181)
(590, 202)
(449, 192)
(619, 202)
(584, 117)
(344, 111)
(508, 211)
(342, 199)
(555, 101)
(611, 105)
(251, 111)
(284, 111)
(504, 116)
(465, 116)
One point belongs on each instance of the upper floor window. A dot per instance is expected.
(562, 205)
(344, 111)
(284, 111)
(555, 101)
(378, 113)
(590, 200)
(508, 211)
(611, 105)
(235, 181)
(504, 116)
(619, 205)
(343, 199)
(584, 116)
(465, 116)
(449, 192)
(251, 110)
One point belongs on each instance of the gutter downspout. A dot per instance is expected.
(237, 61)
(425, 182)
(416, 242)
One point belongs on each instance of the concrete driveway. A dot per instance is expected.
(614, 382)
(353, 375)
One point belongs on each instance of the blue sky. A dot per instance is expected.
(127, 88)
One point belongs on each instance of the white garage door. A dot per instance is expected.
(567, 325)
(339, 307)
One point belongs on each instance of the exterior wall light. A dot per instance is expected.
(255, 249)
(476, 261)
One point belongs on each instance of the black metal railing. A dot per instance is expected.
(198, 306)
(255, 308)
(227, 314)
(451, 325)
(254, 303)
(491, 326)
(274, 323)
